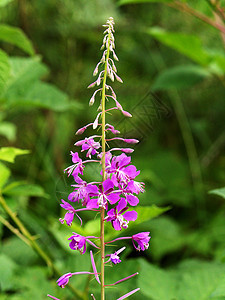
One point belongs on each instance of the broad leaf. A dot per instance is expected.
(4, 70)
(26, 69)
(25, 89)
(167, 230)
(189, 45)
(4, 174)
(219, 192)
(41, 95)
(192, 279)
(122, 2)
(9, 153)
(156, 283)
(15, 36)
(180, 77)
(23, 189)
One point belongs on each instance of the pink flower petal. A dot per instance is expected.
(128, 294)
(94, 267)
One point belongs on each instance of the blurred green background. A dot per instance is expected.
(172, 63)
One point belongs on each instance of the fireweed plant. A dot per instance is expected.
(116, 193)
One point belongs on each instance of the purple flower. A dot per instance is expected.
(142, 240)
(122, 173)
(78, 242)
(108, 157)
(81, 191)
(78, 166)
(90, 145)
(135, 187)
(119, 216)
(104, 194)
(63, 280)
(115, 259)
(112, 129)
(68, 218)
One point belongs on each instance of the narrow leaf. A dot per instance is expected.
(219, 192)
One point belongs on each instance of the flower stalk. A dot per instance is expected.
(102, 234)
(114, 195)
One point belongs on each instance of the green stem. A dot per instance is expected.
(28, 237)
(103, 175)
(14, 230)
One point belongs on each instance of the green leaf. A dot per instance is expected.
(92, 227)
(146, 213)
(34, 284)
(192, 279)
(25, 89)
(41, 95)
(167, 230)
(26, 69)
(6, 275)
(4, 2)
(23, 189)
(8, 130)
(123, 2)
(219, 192)
(4, 70)
(189, 45)
(197, 279)
(180, 77)
(220, 290)
(9, 153)
(24, 254)
(15, 36)
(156, 283)
(4, 174)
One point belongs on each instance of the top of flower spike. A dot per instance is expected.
(109, 23)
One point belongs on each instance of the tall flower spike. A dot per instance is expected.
(114, 195)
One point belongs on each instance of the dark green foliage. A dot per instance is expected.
(173, 67)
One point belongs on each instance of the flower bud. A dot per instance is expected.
(81, 130)
(127, 150)
(92, 101)
(131, 141)
(127, 114)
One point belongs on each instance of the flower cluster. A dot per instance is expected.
(116, 196)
